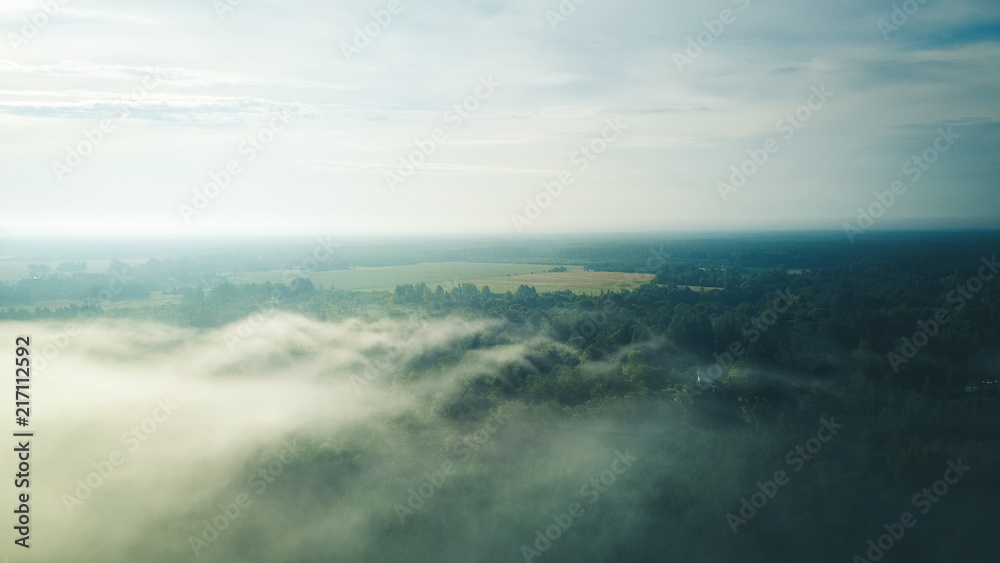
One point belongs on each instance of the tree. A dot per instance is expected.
(640, 375)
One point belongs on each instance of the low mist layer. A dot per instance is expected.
(284, 438)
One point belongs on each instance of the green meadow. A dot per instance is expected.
(499, 277)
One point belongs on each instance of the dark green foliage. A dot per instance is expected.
(635, 358)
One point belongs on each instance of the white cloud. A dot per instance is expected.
(354, 120)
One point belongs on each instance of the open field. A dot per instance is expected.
(155, 298)
(499, 277)
(699, 288)
(14, 270)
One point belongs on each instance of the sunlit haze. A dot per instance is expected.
(537, 86)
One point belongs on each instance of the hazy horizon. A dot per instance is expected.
(641, 117)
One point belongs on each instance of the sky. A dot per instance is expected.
(194, 118)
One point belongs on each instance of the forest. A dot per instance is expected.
(817, 406)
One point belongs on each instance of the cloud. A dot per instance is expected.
(606, 60)
(150, 428)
